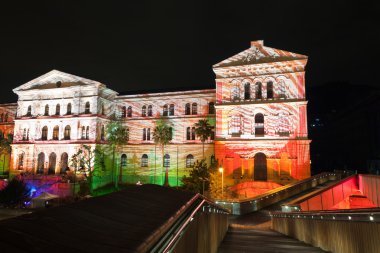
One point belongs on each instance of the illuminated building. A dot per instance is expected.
(260, 119)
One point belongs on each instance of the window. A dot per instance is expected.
(64, 162)
(123, 160)
(235, 125)
(211, 108)
(87, 108)
(247, 91)
(55, 133)
(171, 110)
(193, 133)
(165, 111)
(102, 133)
(29, 112)
(188, 134)
(102, 109)
(83, 136)
(25, 134)
(46, 110)
(170, 133)
(144, 160)
(150, 112)
(143, 111)
(259, 125)
(87, 132)
(144, 134)
(212, 136)
(40, 163)
(189, 161)
(235, 93)
(124, 112)
(68, 112)
(269, 89)
(6, 117)
(167, 161)
(1, 134)
(21, 161)
(67, 133)
(194, 109)
(58, 109)
(44, 133)
(1, 117)
(187, 109)
(258, 92)
(129, 111)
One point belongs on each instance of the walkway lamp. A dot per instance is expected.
(221, 170)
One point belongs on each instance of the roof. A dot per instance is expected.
(118, 222)
(258, 53)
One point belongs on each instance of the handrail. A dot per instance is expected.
(165, 238)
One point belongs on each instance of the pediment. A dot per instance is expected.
(55, 79)
(258, 53)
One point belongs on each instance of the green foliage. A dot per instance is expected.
(5, 146)
(14, 194)
(116, 133)
(162, 133)
(203, 130)
(199, 177)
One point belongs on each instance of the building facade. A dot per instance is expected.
(258, 111)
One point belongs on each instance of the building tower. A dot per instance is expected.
(261, 117)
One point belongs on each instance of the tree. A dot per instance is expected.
(5, 149)
(15, 193)
(203, 130)
(161, 136)
(116, 135)
(199, 179)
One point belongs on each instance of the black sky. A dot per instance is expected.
(148, 45)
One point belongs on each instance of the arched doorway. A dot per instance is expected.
(64, 162)
(40, 163)
(52, 162)
(260, 168)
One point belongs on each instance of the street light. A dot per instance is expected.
(221, 171)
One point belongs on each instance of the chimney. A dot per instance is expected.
(257, 43)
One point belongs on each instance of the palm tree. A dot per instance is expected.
(161, 136)
(203, 130)
(116, 135)
(5, 149)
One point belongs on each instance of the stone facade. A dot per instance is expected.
(258, 110)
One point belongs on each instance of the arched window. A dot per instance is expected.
(124, 112)
(46, 110)
(150, 111)
(247, 91)
(235, 125)
(123, 160)
(87, 132)
(67, 133)
(143, 111)
(58, 109)
(269, 89)
(144, 160)
(189, 161)
(102, 133)
(193, 133)
(29, 112)
(194, 109)
(52, 163)
(56, 133)
(64, 162)
(258, 92)
(144, 134)
(235, 93)
(40, 163)
(187, 109)
(171, 110)
(44, 134)
(68, 111)
(188, 133)
(83, 136)
(129, 111)
(259, 125)
(211, 108)
(148, 134)
(87, 108)
(165, 110)
(167, 161)
(20, 161)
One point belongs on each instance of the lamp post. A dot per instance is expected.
(222, 171)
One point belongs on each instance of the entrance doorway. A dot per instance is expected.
(260, 168)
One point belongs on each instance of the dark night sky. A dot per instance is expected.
(135, 45)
